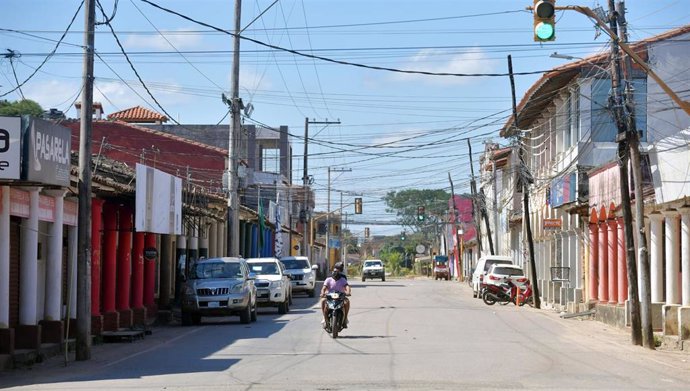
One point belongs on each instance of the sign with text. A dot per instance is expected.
(47, 157)
(552, 224)
(10, 147)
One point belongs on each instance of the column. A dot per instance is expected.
(96, 228)
(685, 254)
(203, 239)
(150, 272)
(124, 259)
(4, 257)
(656, 257)
(193, 244)
(109, 275)
(166, 260)
(672, 256)
(593, 256)
(72, 253)
(137, 299)
(180, 264)
(622, 265)
(213, 239)
(28, 264)
(603, 261)
(613, 260)
(53, 280)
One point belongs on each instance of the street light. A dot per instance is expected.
(573, 58)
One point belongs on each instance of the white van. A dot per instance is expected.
(483, 265)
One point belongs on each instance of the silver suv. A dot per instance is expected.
(302, 274)
(219, 287)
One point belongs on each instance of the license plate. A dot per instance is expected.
(213, 304)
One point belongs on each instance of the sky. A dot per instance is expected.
(396, 131)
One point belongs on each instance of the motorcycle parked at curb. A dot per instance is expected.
(508, 292)
(335, 315)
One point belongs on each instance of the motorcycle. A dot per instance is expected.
(508, 292)
(335, 313)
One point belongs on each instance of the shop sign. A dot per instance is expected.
(46, 208)
(150, 253)
(20, 204)
(70, 213)
(552, 224)
(10, 147)
(47, 153)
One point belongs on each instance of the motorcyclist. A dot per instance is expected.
(337, 282)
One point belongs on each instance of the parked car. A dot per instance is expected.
(219, 287)
(373, 268)
(302, 274)
(483, 265)
(498, 273)
(273, 288)
(441, 269)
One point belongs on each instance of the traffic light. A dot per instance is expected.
(402, 236)
(420, 214)
(544, 20)
(358, 206)
(366, 232)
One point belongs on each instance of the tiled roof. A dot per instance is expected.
(138, 114)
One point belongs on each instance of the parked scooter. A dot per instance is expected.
(508, 292)
(335, 319)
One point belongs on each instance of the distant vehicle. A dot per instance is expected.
(373, 268)
(441, 270)
(302, 274)
(500, 273)
(273, 288)
(218, 287)
(483, 265)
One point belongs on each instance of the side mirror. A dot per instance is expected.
(251, 276)
(314, 267)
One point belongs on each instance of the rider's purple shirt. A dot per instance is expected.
(334, 285)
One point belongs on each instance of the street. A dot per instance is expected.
(404, 334)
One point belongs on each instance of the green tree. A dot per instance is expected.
(21, 107)
(405, 202)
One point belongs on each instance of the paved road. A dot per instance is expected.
(404, 335)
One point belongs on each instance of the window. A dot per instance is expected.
(270, 160)
(604, 127)
(572, 129)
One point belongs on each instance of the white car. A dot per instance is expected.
(483, 265)
(302, 274)
(373, 268)
(273, 287)
(498, 274)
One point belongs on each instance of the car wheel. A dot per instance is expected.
(310, 293)
(363, 279)
(246, 314)
(290, 302)
(283, 307)
(196, 318)
(383, 279)
(186, 318)
(253, 314)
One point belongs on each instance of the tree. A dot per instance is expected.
(405, 204)
(21, 107)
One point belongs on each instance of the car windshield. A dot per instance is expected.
(264, 268)
(369, 264)
(508, 271)
(296, 264)
(217, 270)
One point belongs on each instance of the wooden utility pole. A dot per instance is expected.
(235, 130)
(639, 307)
(481, 204)
(525, 178)
(476, 214)
(83, 343)
(456, 213)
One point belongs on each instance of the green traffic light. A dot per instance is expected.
(544, 31)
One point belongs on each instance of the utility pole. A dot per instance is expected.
(485, 214)
(641, 315)
(526, 179)
(456, 213)
(481, 202)
(476, 214)
(235, 130)
(328, 214)
(305, 182)
(83, 347)
(493, 165)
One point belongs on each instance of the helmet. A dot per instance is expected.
(336, 274)
(339, 266)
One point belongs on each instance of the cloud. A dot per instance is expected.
(401, 138)
(180, 39)
(443, 61)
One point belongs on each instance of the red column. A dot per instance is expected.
(613, 260)
(138, 270)
(150, 272)
(96, 221)
(603, 262)
(124, 259)
(109, 256)
(593, 257)
(622, 266)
